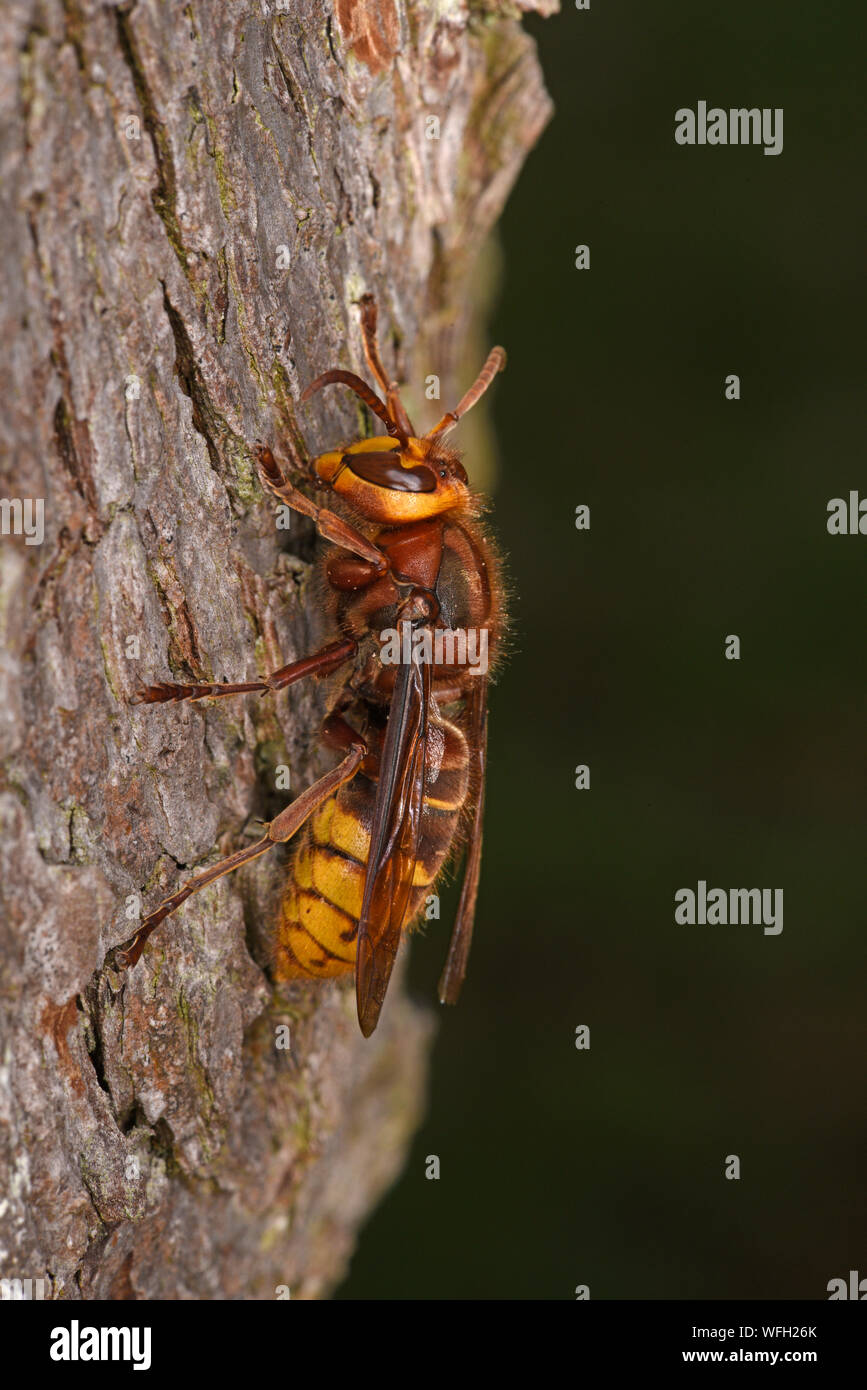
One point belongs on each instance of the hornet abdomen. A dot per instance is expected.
(319, 916)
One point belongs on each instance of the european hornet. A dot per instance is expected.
(411, 570)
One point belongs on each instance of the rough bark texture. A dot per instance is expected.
(196, 196)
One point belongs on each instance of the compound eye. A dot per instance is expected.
(385, 469)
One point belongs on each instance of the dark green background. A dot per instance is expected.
(605, 1167)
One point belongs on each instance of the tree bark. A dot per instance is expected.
(198, 196)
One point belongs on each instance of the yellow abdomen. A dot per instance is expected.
(320, 911)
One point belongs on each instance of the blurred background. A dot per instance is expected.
(708, 517)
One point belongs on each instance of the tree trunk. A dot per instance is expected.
(198, 197)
